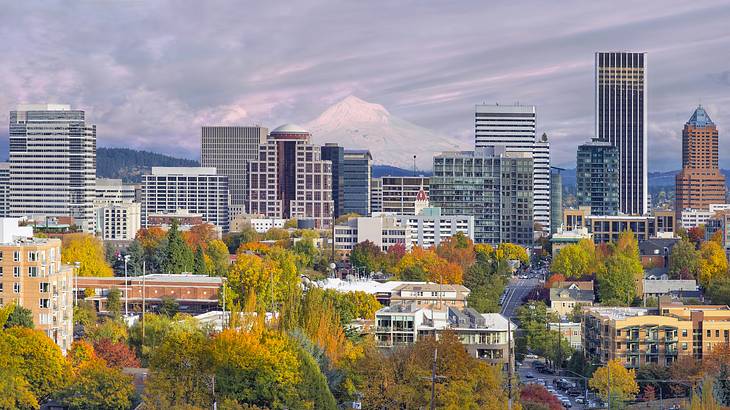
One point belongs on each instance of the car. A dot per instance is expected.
(566, 403)
(530, 376)
(574, 393)
(531, 356)
(580, 400)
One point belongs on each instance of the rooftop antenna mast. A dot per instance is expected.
(414, 166)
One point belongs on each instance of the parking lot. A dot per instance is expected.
(569, 390)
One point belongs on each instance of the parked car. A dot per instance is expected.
(530, 376)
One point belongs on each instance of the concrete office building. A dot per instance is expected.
(621, 119)
(32, 276)
(556, 201)
(490, 184)
(119, 221)
(513, 126)
(229, 149)
(336, 155)
(52, 163)
(399, 193)
(384, 232)
(597, 177)
(430, 227)
(4, 189)
(700, 182)
(376, 195)
(691, 218)
(113, 191)
(291, 180)
(607, 228)
(357, 174)
(198, 190)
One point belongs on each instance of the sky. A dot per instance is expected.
(151, 73)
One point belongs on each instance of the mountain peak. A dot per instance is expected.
(352, 109)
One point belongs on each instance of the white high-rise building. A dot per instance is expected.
(113, 191)
(199, 190)
(52, 163)
(4, 189)
(513, 127)
(118, 217)
(229, 150)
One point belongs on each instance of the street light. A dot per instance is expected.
(126, 287)
(77, 266)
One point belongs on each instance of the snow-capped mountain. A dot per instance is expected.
(357, 124)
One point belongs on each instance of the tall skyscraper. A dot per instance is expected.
(490, 184)
(700, 182)
(513, 127)
(357, 170)
(52, 163)
(621, 119)
(198, 190)
(290, 179)
(4, 189)
(336, 155)
(556, 200)
(229, 149)
(597, 177)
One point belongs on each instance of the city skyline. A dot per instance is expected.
(153, 88)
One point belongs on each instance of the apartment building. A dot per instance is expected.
(485, 336)
(691, 218)
(382, 231)
(119, 222)
(607, 228)
(637, 336)
(430, 294)
(399, 193)
(31, 275)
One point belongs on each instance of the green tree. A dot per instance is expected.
(486, 279)
(573, 261)
(617, 284)
(178, 257)
(684, 260)
(719, 291)
(219, 256)
(114, 302)
(306, 251)
(367, 255)
(169, 306)
(85, 314)
(98, 387)
(19, 317)
(200, 268)
(136, 257)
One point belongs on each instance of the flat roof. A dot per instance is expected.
(619, 313)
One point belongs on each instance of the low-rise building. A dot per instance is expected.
(382, 231)
(259, 223)
(571, 332)
(719, 222)
(31, 275)
(485, 336)
(564, 299)
(655, 252)
(183, 217)
(430, 294)
(562, 238)
(674, 288)
(691, 218)
(607, 228)
(637, 336)
(430, 227)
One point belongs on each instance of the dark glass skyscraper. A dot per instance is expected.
(621, 119)
(357, 168)
(597, 177)
(336, 154)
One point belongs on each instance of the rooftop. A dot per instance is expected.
(572, 295)
(367, 286)
(667, 286)
(618, 313)
(289, 129)
(700, 118)
(183, 171)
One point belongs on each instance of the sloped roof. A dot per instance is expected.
(575, 295)
(700, 118)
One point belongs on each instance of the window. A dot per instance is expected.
(709, 333)
(16, 271)
(684, 332)
(717, 333)
(16, 287)
(44, 303)
(1, 289)
(618, 332)
(1, 255)
(33, 271)
(16, 256)
(684, 345)
(32, 256)
(1, 271)
(44, 287)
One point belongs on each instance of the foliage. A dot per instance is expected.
(537, 394)
(129, 164)
(486, 279)
(114, 302)
(85, 314)
(719, 291)
(199, 265)
(19, 317)
(617, 284)
(157, 327)
(15, 390)
(116, 354)
(108, 329)
(512, 252)
(575, 260)
(712, 264)
(87, 250)
(458, 249)
(425, 265)
(80, 352)
(623, 384)
(696, 235)
(273, 277)
(234, 240)
(306, 251)
(276, 234)
(367, 255)
(684, 260)
(178, 257)
(169, 306)
(200, 235)
(534, 318)
(219, 256)
(97, 387)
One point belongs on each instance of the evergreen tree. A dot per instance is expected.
(136, 256)
(178, 256)
(200, 267)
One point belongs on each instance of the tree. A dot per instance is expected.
(15, 391)
(19, 317)
(85, 314)
(535, 394)
(200, 268)
(425, 265)
(367, 255)
(458, 249)
(178, 257)
(712, 263)
(234, 240)
(136, 257)
(649, 393)
(573, 261)
(684, 260)
(116, 354)
(696, 235)
(219, 256)
(88, 251)
(306, 251)
(114, 330)
(623, 384)
(200, 235)
(719, 291)
(617, 284)
(276, 234)
(169, 306)
(114, 302)
(512, 252)
(486, 279)
(97, 387)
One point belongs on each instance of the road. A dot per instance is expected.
(517, 290)
(528, 368)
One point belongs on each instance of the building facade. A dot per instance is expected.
(556, 201)
(4, 189)
(430, 227)
(336, 155)
(198, 190)
(31, 275)
(607, 228)
(291, 180)
(700, 182)
(490, 184)
(399, 193)
(357, 174)
(229, 149)
(621, 119)
(52, 163)
(384, 232)
(376, 195)
(597, 177)
(119, 222)
(113, 191)
(513, 127)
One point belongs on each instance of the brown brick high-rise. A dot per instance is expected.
(700, 182)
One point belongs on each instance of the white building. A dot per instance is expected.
(399, 193)
(113, 191)
(229, 149)
(199, 190)
(513, 126)
(382, 231)
(259, 223)
(52, 163)
(376, 195)
(119, 221)
(691, 218)
(4, 189)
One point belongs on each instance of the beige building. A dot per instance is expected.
(32, 276)
(430, 294)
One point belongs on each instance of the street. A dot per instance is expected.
(517, 290)
(528, 373)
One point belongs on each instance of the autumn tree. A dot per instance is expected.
(219, 257)
(19, 317)
(15, 390)
(114, 302)
(684, 260)
(623, 384)
(88, 251)
(367, 255)
(425, 265)
(696, 235)
(200, 235)
(533, 395)
(458, 249)
(617, 284)
(712, 263)
(116, 354)
(574, 261)
(512, 252)
(97, 387)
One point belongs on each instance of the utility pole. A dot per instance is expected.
(509, 363)
(144, 291)
(608, 366)
(126, 288)
(433, 371)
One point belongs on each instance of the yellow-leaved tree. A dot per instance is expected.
(88, 251)
(712, 264)
(623, 384)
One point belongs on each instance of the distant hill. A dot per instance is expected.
(129, 165)
(382, 170)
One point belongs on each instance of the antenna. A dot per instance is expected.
(414, 166)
